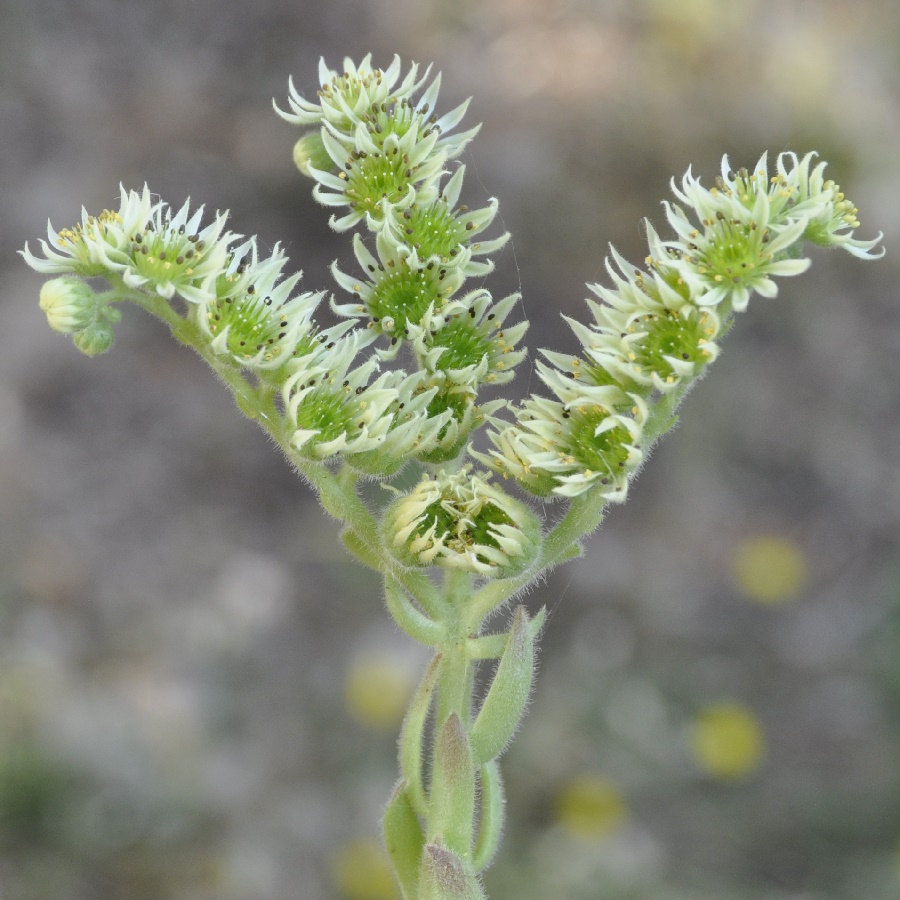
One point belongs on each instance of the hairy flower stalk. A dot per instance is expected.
(399, 379)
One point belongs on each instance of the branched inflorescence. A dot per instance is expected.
(398, 380)
(656, 328)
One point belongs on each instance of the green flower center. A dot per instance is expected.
(327, 412)
(166, 255)
(463, 524)
(465, 345)
(372, 179)
(733, 251)
(253, 325)
(604, 452)
(391, 118)
(403, 295)
(350, 88)
(433, 230)
(672, 335)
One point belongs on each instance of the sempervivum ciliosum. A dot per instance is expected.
(336, 409)
(145, 244)
(646, 334)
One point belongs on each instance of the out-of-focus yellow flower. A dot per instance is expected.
(727, 741)
(769, 568)
(590, 807)
(361, 871)
(376, 691)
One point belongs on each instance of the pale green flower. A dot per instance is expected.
(460, 520)
(345, 97)
(749, 225)
(438, 231)
(377, 425)
(569, 448)
(467, 340)
(334, 409)
(98, 243)
(143, 243)
(645, 336)
(371, 178)
(735, 252)
(831, 216)
(255, 317)
(399, 293)
(173, 254)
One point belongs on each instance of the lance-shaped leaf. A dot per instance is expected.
(446, 876)
(491, 646)
(504, 705)
(403, 838)
(411, 735)
(451, 802)
(490, 827)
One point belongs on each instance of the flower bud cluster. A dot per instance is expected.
(655, 329)
(383, 155)
(72, 307)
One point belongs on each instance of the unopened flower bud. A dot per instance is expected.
(96, 338)
(69, 304)
(310, 150)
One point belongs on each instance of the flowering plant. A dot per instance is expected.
(397, 381)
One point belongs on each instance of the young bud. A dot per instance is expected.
(96, 338)
(310, 151)
(69, 304)
(446, 876)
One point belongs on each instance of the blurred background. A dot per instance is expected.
(200, 694)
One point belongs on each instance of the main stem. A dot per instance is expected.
(454, 689)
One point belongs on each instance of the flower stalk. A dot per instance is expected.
(398, 380)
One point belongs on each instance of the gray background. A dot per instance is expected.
(176, 616)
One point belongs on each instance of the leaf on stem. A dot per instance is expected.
(404, 839)
(411, 619)
(507, 698)
(411, 735)
(490, 829)
(451, 804)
